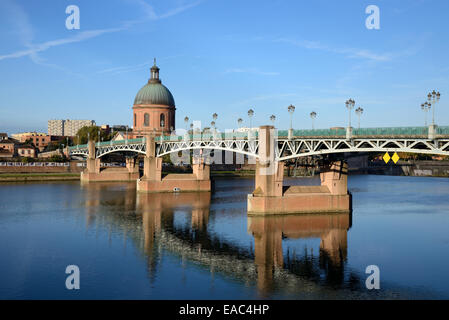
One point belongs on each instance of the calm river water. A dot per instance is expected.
(204, 246)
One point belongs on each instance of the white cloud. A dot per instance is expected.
(252, 71)
(84, 35)
(349, 52)
(26, 31)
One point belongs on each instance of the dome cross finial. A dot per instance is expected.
(155, 62)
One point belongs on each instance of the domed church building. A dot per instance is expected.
(154, 107)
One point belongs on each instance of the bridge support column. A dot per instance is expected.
(271, 197)
(348, 133)
(92, 164)
(152, 180)
(132, 165)
(94, 172)
(334, 176)
(201, 170)
(432, 131)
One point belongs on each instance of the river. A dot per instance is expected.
(204, 246)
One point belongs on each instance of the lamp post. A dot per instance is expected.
(273, 119)
(291, 109)
(359, 112)
(239, 121)
(186, 120)
(126, 134)
(425, 107)
(250, 115)
(350, 105)
(215, 117)
(432, 99)
(313, 116)
(213, 125)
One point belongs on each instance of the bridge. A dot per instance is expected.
(270, 148)
(290, 144)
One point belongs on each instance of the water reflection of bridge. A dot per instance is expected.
(149, 220)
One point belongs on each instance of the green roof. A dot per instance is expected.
(154, 92)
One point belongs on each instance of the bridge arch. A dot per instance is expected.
(247, 153)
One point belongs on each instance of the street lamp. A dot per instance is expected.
(214, 116)
(273, 118)
(359, 112)
(313, 116)
(186, 120)
(291, 110)
(239, 121)
(433, 98)
(350, 105)
(425, 107)
(213, 125)
(250, 115)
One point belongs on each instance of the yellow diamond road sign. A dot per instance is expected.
(386, 157)
(395, 158)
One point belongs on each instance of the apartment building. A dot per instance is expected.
(67, 127)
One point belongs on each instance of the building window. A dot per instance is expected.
(146, 119)
(135, 120)
(162, 120)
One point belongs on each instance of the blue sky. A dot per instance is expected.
(224, 57)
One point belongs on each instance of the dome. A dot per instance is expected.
(154, 92)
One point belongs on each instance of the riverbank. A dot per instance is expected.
(20, 177)
(419, 168)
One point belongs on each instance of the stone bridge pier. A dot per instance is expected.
(271, 197)
(94, 171)
(153, 181)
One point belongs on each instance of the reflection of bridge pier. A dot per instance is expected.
(270, 196)
(157, 208)
(94, 172)
(158, 211)
(152, 180)
(268, 232)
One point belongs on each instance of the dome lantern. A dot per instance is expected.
(154, 74)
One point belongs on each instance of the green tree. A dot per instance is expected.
(56, 158)
(166, 158)
(91, 131)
